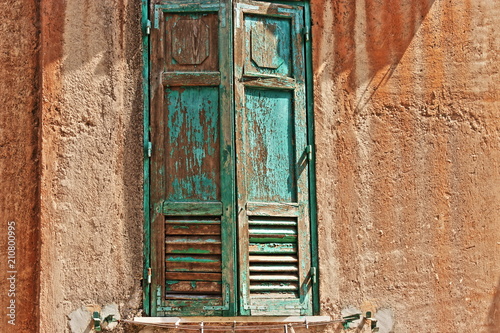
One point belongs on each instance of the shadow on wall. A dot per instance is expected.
(386, 28)
(493, 321)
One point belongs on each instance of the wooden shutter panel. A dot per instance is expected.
(272, 172)
(191, 170)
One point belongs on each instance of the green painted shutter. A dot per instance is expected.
(272, 160)
(191, 165)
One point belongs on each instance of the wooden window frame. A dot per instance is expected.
(148, 292)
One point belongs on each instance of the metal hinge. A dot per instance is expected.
(150, 149)
(168, 308)
(149, 275)
(306, 33)
(314, 276)
(254, 307)
(309, 153)
(148, 27)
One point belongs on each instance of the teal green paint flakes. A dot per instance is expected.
(269, 150)
(190, 259)
(204, 187)
(192, 125)
(268, 45)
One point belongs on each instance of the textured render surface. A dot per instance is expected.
(91, 159)
(408, 150)
(19, 160)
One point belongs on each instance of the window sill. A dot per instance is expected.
(238, 320)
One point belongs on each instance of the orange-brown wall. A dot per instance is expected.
(407, 149)
(19, 164)
(408, 160)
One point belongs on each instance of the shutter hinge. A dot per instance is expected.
(314, 276)
(168, 308)
(149, 275)
(306, 33)
(150, 149)
(148, 27)
(309, 153)
(254, 307)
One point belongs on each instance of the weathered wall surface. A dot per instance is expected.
(408, 160)
(19, 164)
(408, 151)
(92, 161)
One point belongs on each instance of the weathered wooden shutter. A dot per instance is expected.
(191, 170)
(272, 160)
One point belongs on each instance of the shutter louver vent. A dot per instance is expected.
(273, 263)
(193, 257)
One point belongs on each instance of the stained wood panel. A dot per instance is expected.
(271, 140)
(191, 128)
(191, 42)
(268, 152)
(203, 150)
(193, 256)
(192, 143)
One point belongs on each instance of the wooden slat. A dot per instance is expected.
(277, 268)
(193, 219)
(276, 287)
(192, 229)
(254, 248)
(193, 263)
(192, 287)
(272, 231)
(272, 259)
(274, 277)
(193, 248)
(194, 297)
(172, 79)
(193, 239)
(192, 208)
(273, 296)
(193, 267)
(273, 239)
(189, 276)
(272, 209)
(256, 221)
(275, 83)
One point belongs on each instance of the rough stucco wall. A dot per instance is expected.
(407, 124)
(92, 159)
(19, 160)
(408, 150)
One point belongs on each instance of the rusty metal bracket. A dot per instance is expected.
(97, 321)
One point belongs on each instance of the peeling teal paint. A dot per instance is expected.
(269, 151)
(192, 250)
(198, 158)
(190, 259)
